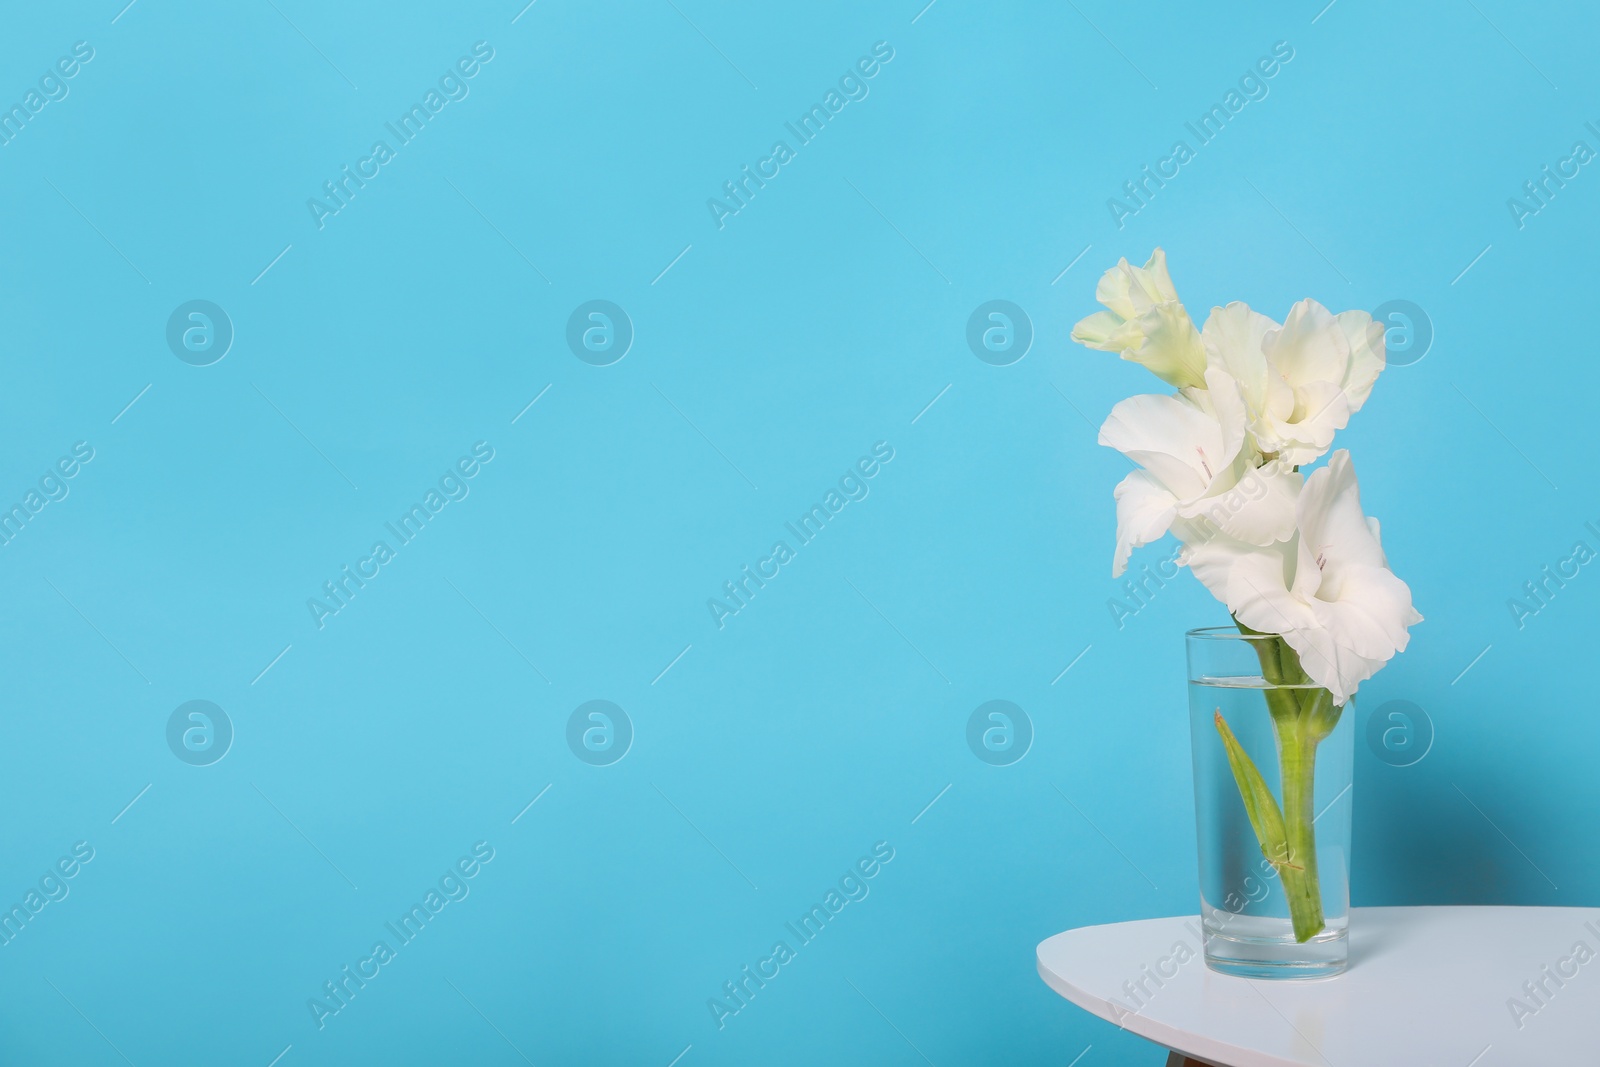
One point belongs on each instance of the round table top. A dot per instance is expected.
(1449, 986)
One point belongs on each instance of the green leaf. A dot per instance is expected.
(1259, 804)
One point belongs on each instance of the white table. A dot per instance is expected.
(1427, 987)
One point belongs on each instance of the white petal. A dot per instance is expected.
(1250, 581)
(1177, 442)
(1321, 409)
(1170, 345)
(1331, 520)
(1377, 535)
(1223, 399)
(1328, 664)
(1145, 509)
(1259, 509)
(1158, 280)
(1232, 338)
(1361, 608)
(1310, 347)
(1097, 330)
(1113, 290)
(1371, 615)
(1145, 323)
(1130, 291)
(1367, 359)
(1307, 576)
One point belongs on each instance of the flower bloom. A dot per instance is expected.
(1145, 323)
(1328, 590)
(1219, 465)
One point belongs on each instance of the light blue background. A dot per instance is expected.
(823, 318)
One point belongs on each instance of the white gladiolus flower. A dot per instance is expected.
(1196, 466)
(1293, 557)
(1328, 591)
(1234, 337)
(1145, 323)
(1301, 381)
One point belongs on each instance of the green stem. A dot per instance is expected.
(1301, 718)
(1298, 748)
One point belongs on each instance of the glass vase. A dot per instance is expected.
(1273, 758)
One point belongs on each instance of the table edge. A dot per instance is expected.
(1198, 1044)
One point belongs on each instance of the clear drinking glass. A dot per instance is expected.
(1272, 816)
